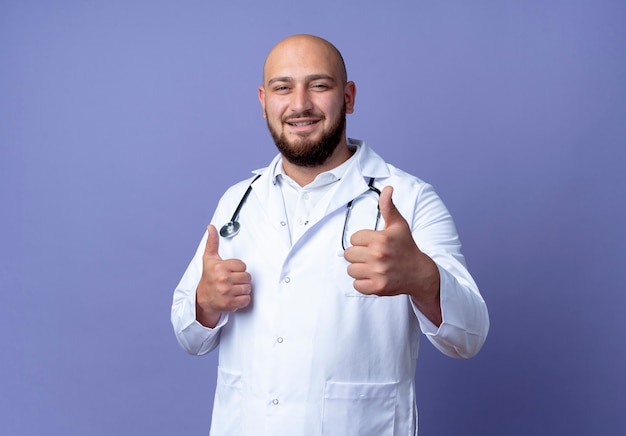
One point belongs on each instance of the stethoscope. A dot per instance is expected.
(371, 187)
(232, 227)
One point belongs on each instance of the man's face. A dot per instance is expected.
(305, 101)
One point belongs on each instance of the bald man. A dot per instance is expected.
(318, 287)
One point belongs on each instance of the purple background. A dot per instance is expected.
(122, 122)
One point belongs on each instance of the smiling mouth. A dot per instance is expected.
(301, 123)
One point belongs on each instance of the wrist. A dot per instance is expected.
(427, 292)
(207, 316)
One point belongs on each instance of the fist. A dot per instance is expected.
(225, 285)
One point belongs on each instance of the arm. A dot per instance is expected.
(192, 336)
(426, 264)
(209, 289)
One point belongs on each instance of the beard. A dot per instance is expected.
(306, 152)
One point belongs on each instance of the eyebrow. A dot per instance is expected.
(310, 78)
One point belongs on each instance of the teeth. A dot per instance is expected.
(304, 123)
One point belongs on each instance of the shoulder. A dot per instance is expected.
(371, 164)
(405, 184)
(416, 199)
(262, 174)
(240, 187)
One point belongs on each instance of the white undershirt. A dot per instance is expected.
(300, 201)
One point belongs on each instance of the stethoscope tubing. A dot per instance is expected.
(371, 187)
(231, 228)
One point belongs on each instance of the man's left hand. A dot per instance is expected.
(389, 262)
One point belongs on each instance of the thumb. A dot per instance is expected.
(212, 242)
(388, 210)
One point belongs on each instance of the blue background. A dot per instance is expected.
(122, 122)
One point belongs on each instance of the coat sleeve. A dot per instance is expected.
(465, 318)
(191, 335)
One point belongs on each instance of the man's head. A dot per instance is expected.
(305, 97)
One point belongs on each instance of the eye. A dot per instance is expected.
(281, 89)
(320, 86)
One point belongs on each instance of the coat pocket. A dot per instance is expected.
(359, 409)
(227, 404)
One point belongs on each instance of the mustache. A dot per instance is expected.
(305, 114)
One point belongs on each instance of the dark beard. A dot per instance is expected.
(308, 153)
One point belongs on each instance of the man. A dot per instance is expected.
(318, 302)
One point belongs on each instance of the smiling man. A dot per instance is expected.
(305, 98)
(331, 264)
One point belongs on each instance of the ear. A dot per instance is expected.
(349, 95)
(262, 99)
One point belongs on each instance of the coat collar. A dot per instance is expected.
(369, 163)
(366, 163)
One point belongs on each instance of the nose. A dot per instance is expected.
(301, 101)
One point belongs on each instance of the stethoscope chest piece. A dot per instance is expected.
(230, 229)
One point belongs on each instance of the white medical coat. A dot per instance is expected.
(311, 355)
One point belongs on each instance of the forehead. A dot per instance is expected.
(301, 58)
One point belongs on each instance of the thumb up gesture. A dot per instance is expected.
(224, 285)
(389, 262)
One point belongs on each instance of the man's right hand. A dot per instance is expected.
(224, 286)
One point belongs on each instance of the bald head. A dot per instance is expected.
(305, 97)
(304, 48)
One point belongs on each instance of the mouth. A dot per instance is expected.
(302, 125)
